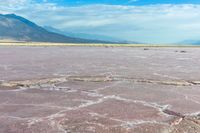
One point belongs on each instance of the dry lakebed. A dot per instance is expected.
(77, 89)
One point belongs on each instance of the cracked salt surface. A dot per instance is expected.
(78, 89)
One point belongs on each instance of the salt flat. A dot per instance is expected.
(99, 89)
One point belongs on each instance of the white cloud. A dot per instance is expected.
(152, 23)
(14, 3)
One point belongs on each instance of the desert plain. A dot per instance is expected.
(83, 89)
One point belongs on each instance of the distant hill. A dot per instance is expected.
(190, 42)
(13, 27)
(87, 36)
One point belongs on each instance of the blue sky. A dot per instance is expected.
(148, 21)
(122, 2)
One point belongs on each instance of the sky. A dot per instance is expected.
(121, 2)
(146, 21)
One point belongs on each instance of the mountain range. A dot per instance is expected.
(87, 36)
(20, 29)
(190, 42)
(14, 27)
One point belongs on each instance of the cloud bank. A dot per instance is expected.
(149, 23)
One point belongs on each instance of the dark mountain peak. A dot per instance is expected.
(22, 19)
(16, 27)
(10, 15)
